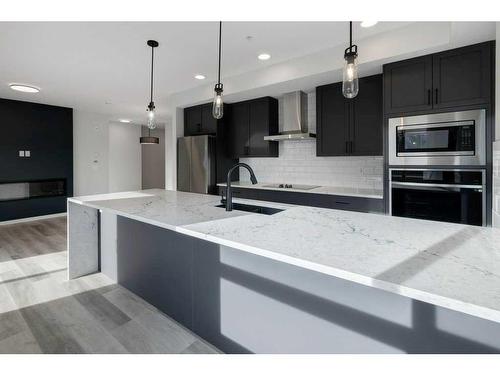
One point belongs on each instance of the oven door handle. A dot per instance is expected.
(450, 187)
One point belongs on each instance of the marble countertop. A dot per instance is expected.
(330, 190)
(449, 265)
(166, 208)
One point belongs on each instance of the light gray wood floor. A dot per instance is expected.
(42, 312)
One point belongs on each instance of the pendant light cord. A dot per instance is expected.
(350, 33)
(152, 70)
(220, 42)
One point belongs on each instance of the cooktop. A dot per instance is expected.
(291, 186)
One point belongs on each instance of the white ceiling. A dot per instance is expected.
(104, 67)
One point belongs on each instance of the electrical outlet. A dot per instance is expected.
(27, 153)
(21, 154)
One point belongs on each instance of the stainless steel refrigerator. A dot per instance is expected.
(196, 164)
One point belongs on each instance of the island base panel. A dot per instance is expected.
(108, 245)
(83, 240)
(245, 303)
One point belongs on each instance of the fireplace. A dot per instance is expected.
(21, 190)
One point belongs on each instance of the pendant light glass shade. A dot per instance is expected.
(151, 116)
(218, 104)
(350, 81)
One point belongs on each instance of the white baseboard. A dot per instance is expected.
(8, 222)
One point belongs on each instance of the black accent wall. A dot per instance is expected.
(47, 132)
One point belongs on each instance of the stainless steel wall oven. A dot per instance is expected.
(452, 195)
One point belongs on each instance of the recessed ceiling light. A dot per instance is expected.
(368, 23)
(124, 120)
(264, 56)
(24, 88)
(199, 76)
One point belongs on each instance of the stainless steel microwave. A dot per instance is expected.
(452, 138)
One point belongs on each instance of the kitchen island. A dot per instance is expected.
(304, 280)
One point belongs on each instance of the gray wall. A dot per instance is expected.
(153, 161)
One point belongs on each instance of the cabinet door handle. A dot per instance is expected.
(346, 147)
(429, 97)
(352, 147)
(436, 96)
(199, 127)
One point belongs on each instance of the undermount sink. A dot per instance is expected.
(251, 208)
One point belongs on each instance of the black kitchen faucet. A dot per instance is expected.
(229, 192)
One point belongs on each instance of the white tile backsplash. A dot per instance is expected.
(297, 163)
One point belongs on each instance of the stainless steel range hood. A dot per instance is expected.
(294, 124)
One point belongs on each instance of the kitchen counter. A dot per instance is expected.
(448, 265)
(168, 209)
(329, 190)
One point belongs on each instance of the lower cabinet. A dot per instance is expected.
(339, 202)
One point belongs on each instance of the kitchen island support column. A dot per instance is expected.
(83, 240)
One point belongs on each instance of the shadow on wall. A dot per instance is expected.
(243, 303)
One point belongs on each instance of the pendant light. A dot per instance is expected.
(350, 83)
(218, 105)
(149, 140)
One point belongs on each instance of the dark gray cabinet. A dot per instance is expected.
(198, 120)
(239, 134)
(350, 126)
(454, 78)
(366, 134)
(462, 76)
(408, 85)
(192, 120)
(339, 202)
(250, 121)
(332, 126)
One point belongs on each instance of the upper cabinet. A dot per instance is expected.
(408, 85)
(350, 126)
(454, 78)
(367, 118)
(198, 120)
(238, 139)
(250, 121)
(462, 76)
